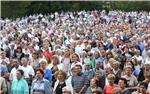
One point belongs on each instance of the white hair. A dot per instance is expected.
(43, 60)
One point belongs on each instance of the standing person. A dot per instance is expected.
(19, 86)
(79, 81)
(61, 82)
(40, 85)
(28, 70)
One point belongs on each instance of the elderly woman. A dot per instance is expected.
(94, 85)
(108, 89)
(61, 82)
(116, 71)
(56, 63)
(40, 85)
(19, 86)
(47, 72)
(132, 80)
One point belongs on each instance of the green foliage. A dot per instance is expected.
(13, 9)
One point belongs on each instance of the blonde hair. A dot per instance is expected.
(61, 72)
(111, 76)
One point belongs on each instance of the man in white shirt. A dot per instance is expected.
(28, 70)
(14, 69)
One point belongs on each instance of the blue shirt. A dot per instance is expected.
(48, 75)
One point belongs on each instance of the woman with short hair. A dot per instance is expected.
(94, 88)
(108, 89)
(61, 82)
(20, 85)
(40, 85)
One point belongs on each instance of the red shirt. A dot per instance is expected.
(109, 89)
(48, 53)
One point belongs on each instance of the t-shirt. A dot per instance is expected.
(109, 89)
(79, 81)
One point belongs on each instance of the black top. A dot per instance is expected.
(59, 88)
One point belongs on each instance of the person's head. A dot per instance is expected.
(143, 87)
(128, 70)
(61, 75)
(87, 66)
(66, 52)
(55, 60)
(66, 90)
(74, 58)
(78, 69)
(147, 76)
(107, 70)
(3, 54)
(94, 82)
(43, 63)
(58, 52)
(96, 54)
(147, 67)
(122, 83)
(137, 52)
(19, 74)
(90, 55)
(24, 61)
(129, 63)
(102, 52)
(109, 55)
(35, 55)
(117, 90)
(39, 74)
(15, 62)
(97, 64)
(115, 64)
(111, 79)
(19, 49)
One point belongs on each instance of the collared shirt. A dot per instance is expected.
(39, 86)
(19, 87)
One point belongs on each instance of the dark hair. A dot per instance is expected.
(77, 65)
(21, 71)
(125, 81)
(109, 53)
(145, 84)
(41, 71)
(19, 47)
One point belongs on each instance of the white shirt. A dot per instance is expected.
(28, 70)
(13, 73)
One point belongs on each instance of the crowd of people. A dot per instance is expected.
(83, 52)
